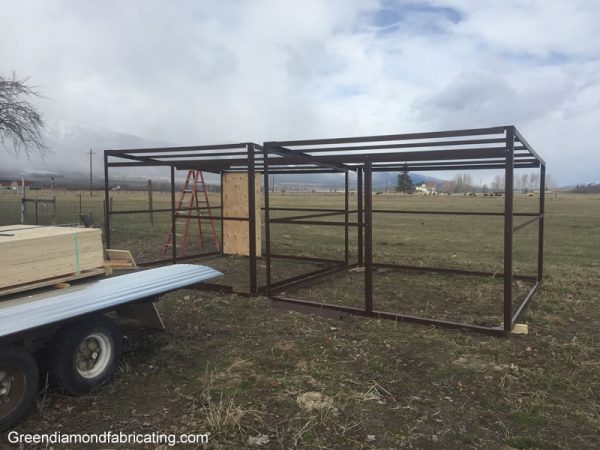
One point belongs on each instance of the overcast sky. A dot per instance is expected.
(192, 72)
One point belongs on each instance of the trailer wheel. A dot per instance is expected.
(85, 355)
(19, 382)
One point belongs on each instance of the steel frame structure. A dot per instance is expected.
(500, 147)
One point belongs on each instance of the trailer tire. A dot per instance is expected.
(84, 355)
(19, 382)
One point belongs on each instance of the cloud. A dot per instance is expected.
(207, 72)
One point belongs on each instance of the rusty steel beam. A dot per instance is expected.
(496, 331)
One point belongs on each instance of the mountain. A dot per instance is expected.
(68, 162)
(381, 180)
(68, 156)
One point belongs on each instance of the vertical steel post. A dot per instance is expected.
(173, 218)
(222, 215)
(23, 202)
(540, 274)
(359, 198)
(346, 208)
(252, 219)
(368, 237)
(508, 226)
(267, 215)
(150, 203)
(106, 206)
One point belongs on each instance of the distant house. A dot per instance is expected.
(13, 184)
(426, 189)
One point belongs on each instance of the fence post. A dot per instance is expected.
(54, 210)
(150, 207)
(23, 202)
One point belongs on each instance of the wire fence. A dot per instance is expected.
(146, 232)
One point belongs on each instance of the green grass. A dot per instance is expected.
(237, 367)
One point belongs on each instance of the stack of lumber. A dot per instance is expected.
(30, 253)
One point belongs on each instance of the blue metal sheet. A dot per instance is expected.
(38, 310)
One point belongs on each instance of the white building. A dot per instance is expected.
(425, 189)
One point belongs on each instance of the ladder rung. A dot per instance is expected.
(194, 184)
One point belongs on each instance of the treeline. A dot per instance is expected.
(523, 182)
(590, 188)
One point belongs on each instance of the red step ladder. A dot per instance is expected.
(190, 187)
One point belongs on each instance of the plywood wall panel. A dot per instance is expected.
(236, 239)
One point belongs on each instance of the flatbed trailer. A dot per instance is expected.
(83, 345)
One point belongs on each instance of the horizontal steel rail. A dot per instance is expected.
(193, 216)
(391, 316)
(393, 137)
(163, 261)
(414, 168)
(307, 258)
(432, 155)
(313, 222)
(176, 149)
(521, 158)
(159, 210)
(398, 146)
(304, 209)
(241, 152)
(452, 271)
(457, 213)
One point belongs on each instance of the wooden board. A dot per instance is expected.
(31, 254)
(119, 259)
(51, 282)
(235, 204)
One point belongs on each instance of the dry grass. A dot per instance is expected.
(236, 367)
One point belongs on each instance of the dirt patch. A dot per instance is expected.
(314, 401)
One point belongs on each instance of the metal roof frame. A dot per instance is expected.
(500, 147)
(470, 149)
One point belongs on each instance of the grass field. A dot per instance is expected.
(240, 369)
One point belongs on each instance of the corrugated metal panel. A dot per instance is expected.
(36, 310)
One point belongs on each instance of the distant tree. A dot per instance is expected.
(534, 181)
(588, 188)
(20, 122)
(463, 183)
(448, 186)
(404, 183)
(498, 183)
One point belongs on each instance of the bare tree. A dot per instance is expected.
(498, 183)
(20, 123)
